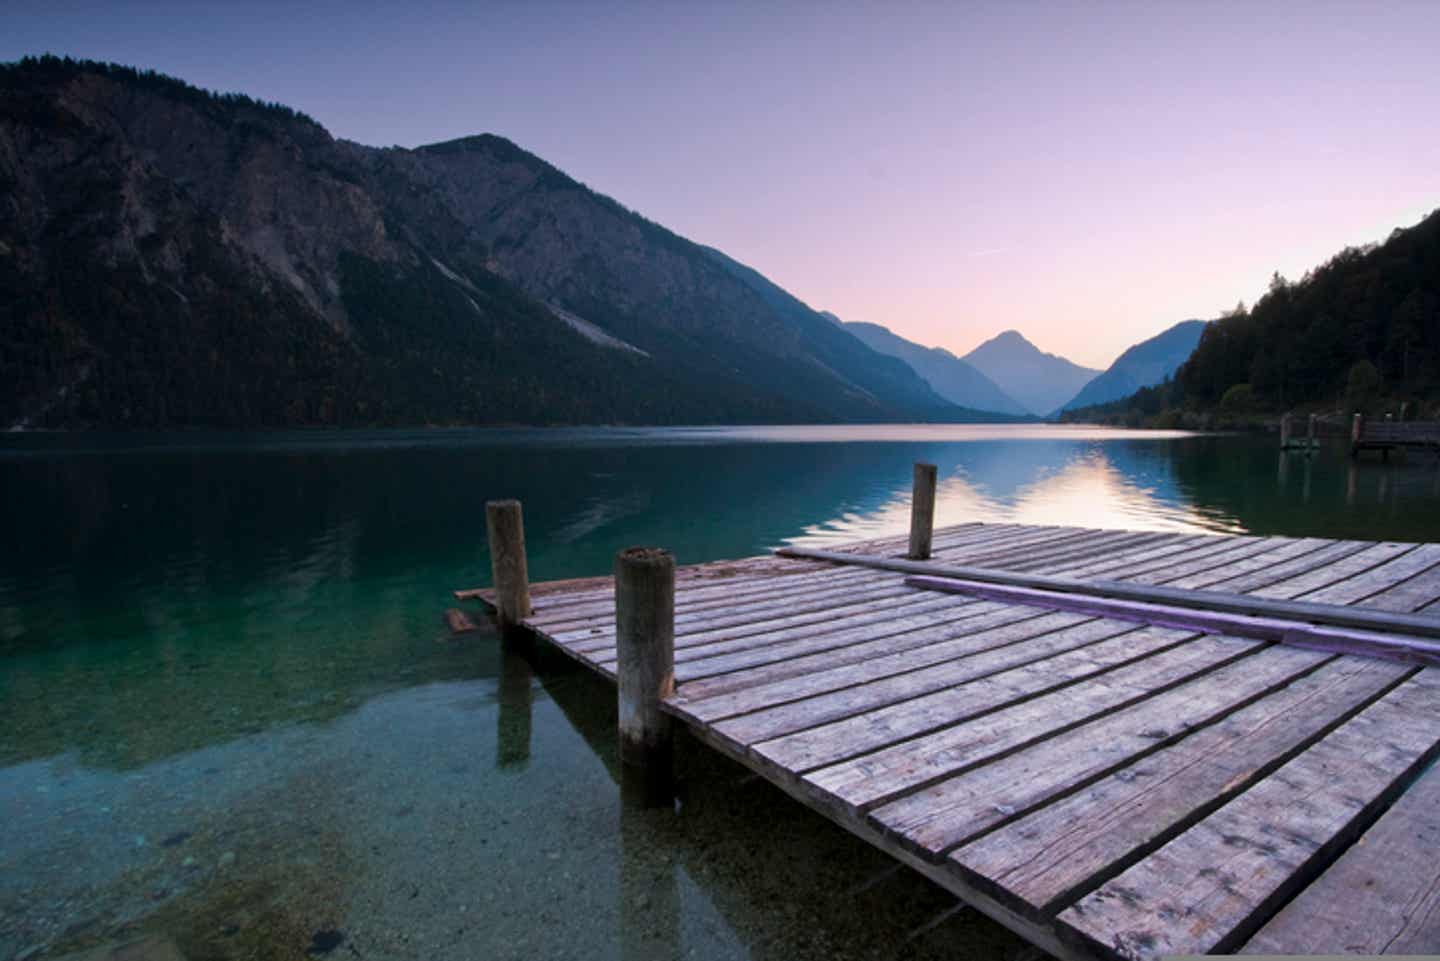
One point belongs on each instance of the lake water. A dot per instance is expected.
(229, 710)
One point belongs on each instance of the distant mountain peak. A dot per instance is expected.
(952, 378)
(1040, 381)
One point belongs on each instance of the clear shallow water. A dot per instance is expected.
(229, 710)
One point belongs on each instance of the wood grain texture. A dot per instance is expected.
(1049, 857)
(1212, 887)
(1381, 897)
(941, 817)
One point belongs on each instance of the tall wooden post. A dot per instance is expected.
(505, 528)
(1285, 423)
(922, 512)
(1357, 431)
(645, 645)
(1311, 431)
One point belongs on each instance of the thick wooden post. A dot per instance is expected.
(922, 512)
(1285, 423)
(1311, 429)
(1357, 430)
(505, 528)
(645, 645)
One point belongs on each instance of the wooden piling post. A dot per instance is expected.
(505, 528)
(645, 648)
(1311, 431)
(1285, 424)
(922, 512)
(1357, 430)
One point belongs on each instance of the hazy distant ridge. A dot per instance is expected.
(952, 378)
(1143, 365)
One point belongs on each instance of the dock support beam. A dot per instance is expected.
(505, 528)
(1285, 425)
(1357, 431)
(922, 512)
(645, 648)
(1312, 436)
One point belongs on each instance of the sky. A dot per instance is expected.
(1088, 173)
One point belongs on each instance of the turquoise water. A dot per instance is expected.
(229, 710)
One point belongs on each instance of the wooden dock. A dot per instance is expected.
(1388, 435)
(1103, 786)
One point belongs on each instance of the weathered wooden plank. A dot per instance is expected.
(1038, 933)
(1092, 551)
(1177, 544)
(726, 657)
(866, 645)
(804, 654)
(1354, 590)
(947, 814)
(898, 544)
(698, 627)
(709, 594)
(579, 588)
(1315, 637)
(1265, 576)
(978, 539)
(1210, 562)
(878, 615)
(1009, 542)
(1214, 885)
(1119, 568)
(1093, 647)
(871, 759)
(1293, 550)
(1009, 645)
(1346, 567)
(1381, 897)
(1050, 857)
(765, 646)
(1410, 595)
(717, 607)
(1083, 544)
(1330, 614)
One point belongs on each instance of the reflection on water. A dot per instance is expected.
(229, 710)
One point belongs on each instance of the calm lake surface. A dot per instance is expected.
(229, 710)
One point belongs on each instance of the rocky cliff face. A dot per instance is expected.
(173, 258)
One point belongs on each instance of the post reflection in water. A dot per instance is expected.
(516, 696)
(649, 889)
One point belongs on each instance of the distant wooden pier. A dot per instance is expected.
(1387, 435)
(1204, 766)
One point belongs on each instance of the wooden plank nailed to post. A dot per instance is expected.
(505, 528)
(922, 512)
(645, 649)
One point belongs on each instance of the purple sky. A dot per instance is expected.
(1088, 174)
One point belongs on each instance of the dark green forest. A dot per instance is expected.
(1359, 333)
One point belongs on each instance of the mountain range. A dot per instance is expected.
(171, 257)
(952, 378)
(175, 258)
